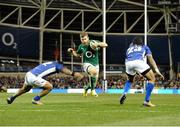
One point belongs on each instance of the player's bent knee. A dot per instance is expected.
(94, 72)
(151, 79)
(48, 86)
(150, 76)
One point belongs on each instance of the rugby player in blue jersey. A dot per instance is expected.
(135, 62)
(35, 78)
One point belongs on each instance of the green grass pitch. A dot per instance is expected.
(76, 110)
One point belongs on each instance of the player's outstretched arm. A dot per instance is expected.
(100, 44)
(77, 75)
(154, 65)
(73, 52)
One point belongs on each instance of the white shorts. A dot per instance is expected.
(33, 80)
(87, 65)
(136, 66)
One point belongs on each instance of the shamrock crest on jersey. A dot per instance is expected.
(89, 55)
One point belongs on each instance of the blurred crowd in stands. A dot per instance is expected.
(115, 81)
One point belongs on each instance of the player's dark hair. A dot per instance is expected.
(137, 41)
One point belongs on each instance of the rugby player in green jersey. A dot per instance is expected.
(89, 50)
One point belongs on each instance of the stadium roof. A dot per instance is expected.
(73, 16)
(82, 4)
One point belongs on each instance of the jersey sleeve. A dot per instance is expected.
(59, 67)
(148, 51)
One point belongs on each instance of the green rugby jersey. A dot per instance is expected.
(89, 55)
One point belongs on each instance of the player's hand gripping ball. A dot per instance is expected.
(94, 45)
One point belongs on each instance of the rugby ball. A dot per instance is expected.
(92, 43)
